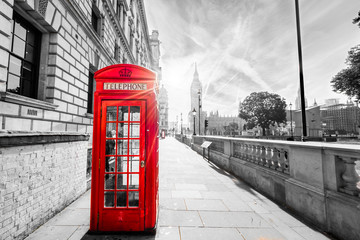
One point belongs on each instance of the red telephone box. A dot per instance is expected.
(124, 184)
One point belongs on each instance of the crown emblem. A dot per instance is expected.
(125, 72)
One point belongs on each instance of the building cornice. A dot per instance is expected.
(74, 8)
(116, 24)
(141, 9)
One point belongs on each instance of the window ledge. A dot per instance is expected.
(89, 115)
(22, 100)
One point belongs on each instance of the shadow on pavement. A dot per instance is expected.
(119, 236)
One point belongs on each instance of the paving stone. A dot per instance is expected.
(170, 218)
(261, 233)
(188, 233)
(233, 219)
(186, 194)
(53, 233)
(206, 205)
(309, 233)
(172, 203)
(186, 186)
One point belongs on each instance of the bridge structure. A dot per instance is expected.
(238, 196)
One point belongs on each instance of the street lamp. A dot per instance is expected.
(181, 131)
(194, 113)
(301, 75)
(291, 129)
(199, 94)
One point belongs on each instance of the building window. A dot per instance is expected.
(24, 58)
(116, 52)
(95, 19)
(91, 91)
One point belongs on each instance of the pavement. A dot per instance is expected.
(197, 201)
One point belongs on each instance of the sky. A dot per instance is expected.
(245, 46)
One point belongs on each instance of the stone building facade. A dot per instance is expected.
(224, 125)
(49, 52)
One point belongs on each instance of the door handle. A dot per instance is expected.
(142, 164)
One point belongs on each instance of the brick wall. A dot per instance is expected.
(37, 181)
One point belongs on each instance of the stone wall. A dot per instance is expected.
(316, 181)
(37, 179)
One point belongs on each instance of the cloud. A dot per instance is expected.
(242, 46)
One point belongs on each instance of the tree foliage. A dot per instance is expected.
(263, 109)
(357, 20)
(347, 81)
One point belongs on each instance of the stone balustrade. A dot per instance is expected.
(318, 181)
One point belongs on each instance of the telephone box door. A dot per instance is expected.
(122, 166)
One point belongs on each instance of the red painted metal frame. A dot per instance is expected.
(109, 220)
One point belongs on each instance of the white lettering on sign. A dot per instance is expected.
(125, 86)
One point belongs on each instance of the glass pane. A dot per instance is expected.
(111, 113)
(122, 147)
(26, 71)
(26, 87)
(110, 147)
(133, 164)
(122, 164)
(13, 84)
(121, 181)
(14, 65)
(29, 53)
(19, 47)
(121, 199)
(111, 130)
(134, 147)
(134, 113)
(109, 181)
(122, 130)
(30, 38)
(133, 199)
(123, 113)
(20, 31)
(133, 181)
(134, 130)
(109, 164)
(109, 199)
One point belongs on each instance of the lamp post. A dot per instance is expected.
(199, 94)
(181, 130)
(291, 129)
(194, 113)
(302, 93)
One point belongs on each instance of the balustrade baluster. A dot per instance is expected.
(247, 156)
(281, 160)
(350, 176)
(268, 157)
(262, 156)
(252, 154)
(275, 158)
(257, 154)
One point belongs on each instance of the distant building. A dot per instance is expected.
(313, 122)
(298, 101)
(196, 101)
(340, 118)
(163, 110)
(224, 125)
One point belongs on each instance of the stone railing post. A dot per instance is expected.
(349, 177)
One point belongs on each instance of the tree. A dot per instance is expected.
(357, 20)
(347, 81)
(263, 109)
